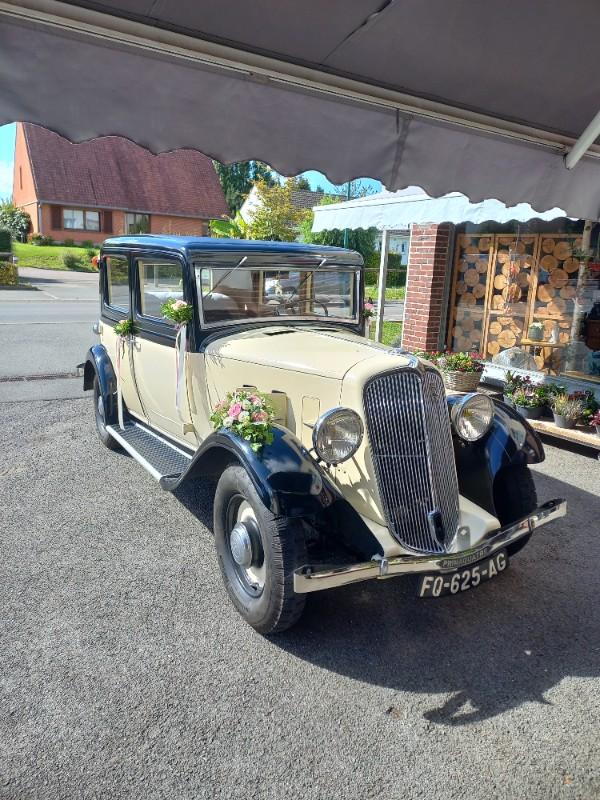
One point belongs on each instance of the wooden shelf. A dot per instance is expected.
(575, 435)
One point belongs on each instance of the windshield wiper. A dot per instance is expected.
(227, 274)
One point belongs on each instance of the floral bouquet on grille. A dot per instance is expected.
(248, 415)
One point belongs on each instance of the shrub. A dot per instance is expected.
(46, 240)
(69, 243)
(9, 275)
(72, 261)
(565, 405)
(87, 243)
(396, 270)
(5, 241)
(36, 239)
(90, 253)
(14, 220)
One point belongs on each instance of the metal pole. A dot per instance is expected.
(346, 231)
(383, 270)
(583, 144)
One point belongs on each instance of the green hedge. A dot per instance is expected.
(5, 241)
(9, 275)
(396, 270)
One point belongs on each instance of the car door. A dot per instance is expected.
(116, 293)
(157, 278)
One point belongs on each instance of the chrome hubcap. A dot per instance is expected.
(246, 549)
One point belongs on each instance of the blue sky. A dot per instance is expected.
(7, 146)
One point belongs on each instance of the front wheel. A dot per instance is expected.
(515, 497)
(100, 414)
(258, 553)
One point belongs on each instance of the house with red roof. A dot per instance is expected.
(111, 186)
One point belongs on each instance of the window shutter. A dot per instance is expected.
(56, 218)
(107, 223)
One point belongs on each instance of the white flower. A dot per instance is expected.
(244, 416)
(246, 405)
(227, 422)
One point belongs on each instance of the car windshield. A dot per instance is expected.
(229, 294)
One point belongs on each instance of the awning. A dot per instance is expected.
(398, 210)
(481, 98)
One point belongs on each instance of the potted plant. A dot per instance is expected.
(512, 384)
(567, 410)
(535, 332)
(595, 422)
(461, 371)
(529, 402)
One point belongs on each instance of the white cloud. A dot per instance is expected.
(6, 179)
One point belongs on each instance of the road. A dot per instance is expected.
(46, 332)
(126, 672)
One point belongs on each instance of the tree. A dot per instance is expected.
(230, 228)
(363, 240)
(302, 183)
(238, 179)
(14, 220)
(275, 218)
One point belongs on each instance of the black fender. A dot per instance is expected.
(511, 441)
(289, 482)
(97, 362)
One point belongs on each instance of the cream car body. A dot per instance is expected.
(415, 494)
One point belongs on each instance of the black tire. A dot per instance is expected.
(265, 598)
(515, 496)
(99, 413)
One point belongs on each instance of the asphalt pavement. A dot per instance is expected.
(46, 332)
(126, 673)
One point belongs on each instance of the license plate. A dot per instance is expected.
(461, 580)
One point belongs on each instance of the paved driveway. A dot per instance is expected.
(125, 672)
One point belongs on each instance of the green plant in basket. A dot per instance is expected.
(248, 414)
(460, 362)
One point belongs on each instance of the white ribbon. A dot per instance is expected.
(120, 354)
(180, 349)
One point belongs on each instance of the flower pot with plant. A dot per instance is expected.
(528, 402)
(461, 371)
(567, 410)
(595, 422)
(535, 332)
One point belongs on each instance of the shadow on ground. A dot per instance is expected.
(492, 649)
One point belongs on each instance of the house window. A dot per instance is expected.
(137, 223)
(77, 219)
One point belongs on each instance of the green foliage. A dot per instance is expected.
(237, 180)
(391, 334)
(456, 362)
(90, 253)
(41, 241)
(361, 240)
(87, 243)
(9, 275)
(302, 183)
(126, 327)
(72, 261)
(48, 256)
(236, 228)
(275, 218)
(248, 414)
(14, 220)
(5, 241)
(396, 277)
(69, 243)
(178, 311)
(565, 405)
(527, 398)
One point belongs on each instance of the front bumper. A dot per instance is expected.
(307, 579)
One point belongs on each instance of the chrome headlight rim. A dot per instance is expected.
(462, 405)
(325, 419)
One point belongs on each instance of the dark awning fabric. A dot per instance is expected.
(481, 98)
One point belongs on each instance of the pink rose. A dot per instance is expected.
(179, 304)
(369, 306)
(255, 400)
(235, 410)
(260, 416)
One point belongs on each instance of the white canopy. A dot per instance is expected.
(398, 210)
(485, 98)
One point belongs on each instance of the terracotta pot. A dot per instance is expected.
(564, 422)
(530, 413)
(461, 381)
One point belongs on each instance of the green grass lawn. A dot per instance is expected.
(391, 332)
(391, 293)
(50, 256)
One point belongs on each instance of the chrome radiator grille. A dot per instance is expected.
(413, 456)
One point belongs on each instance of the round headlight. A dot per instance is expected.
(472, 416)
(337, 435)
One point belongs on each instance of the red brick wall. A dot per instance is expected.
(177, 226)
(428, 263)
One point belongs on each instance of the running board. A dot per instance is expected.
(157, 455)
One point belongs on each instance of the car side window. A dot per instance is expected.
(117, 282)
(159, 280)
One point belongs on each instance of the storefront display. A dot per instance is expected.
(528, 300)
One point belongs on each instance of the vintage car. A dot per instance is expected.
(372, 469)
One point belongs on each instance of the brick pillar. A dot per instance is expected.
(428, 262)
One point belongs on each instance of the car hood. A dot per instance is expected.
(328, 352)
